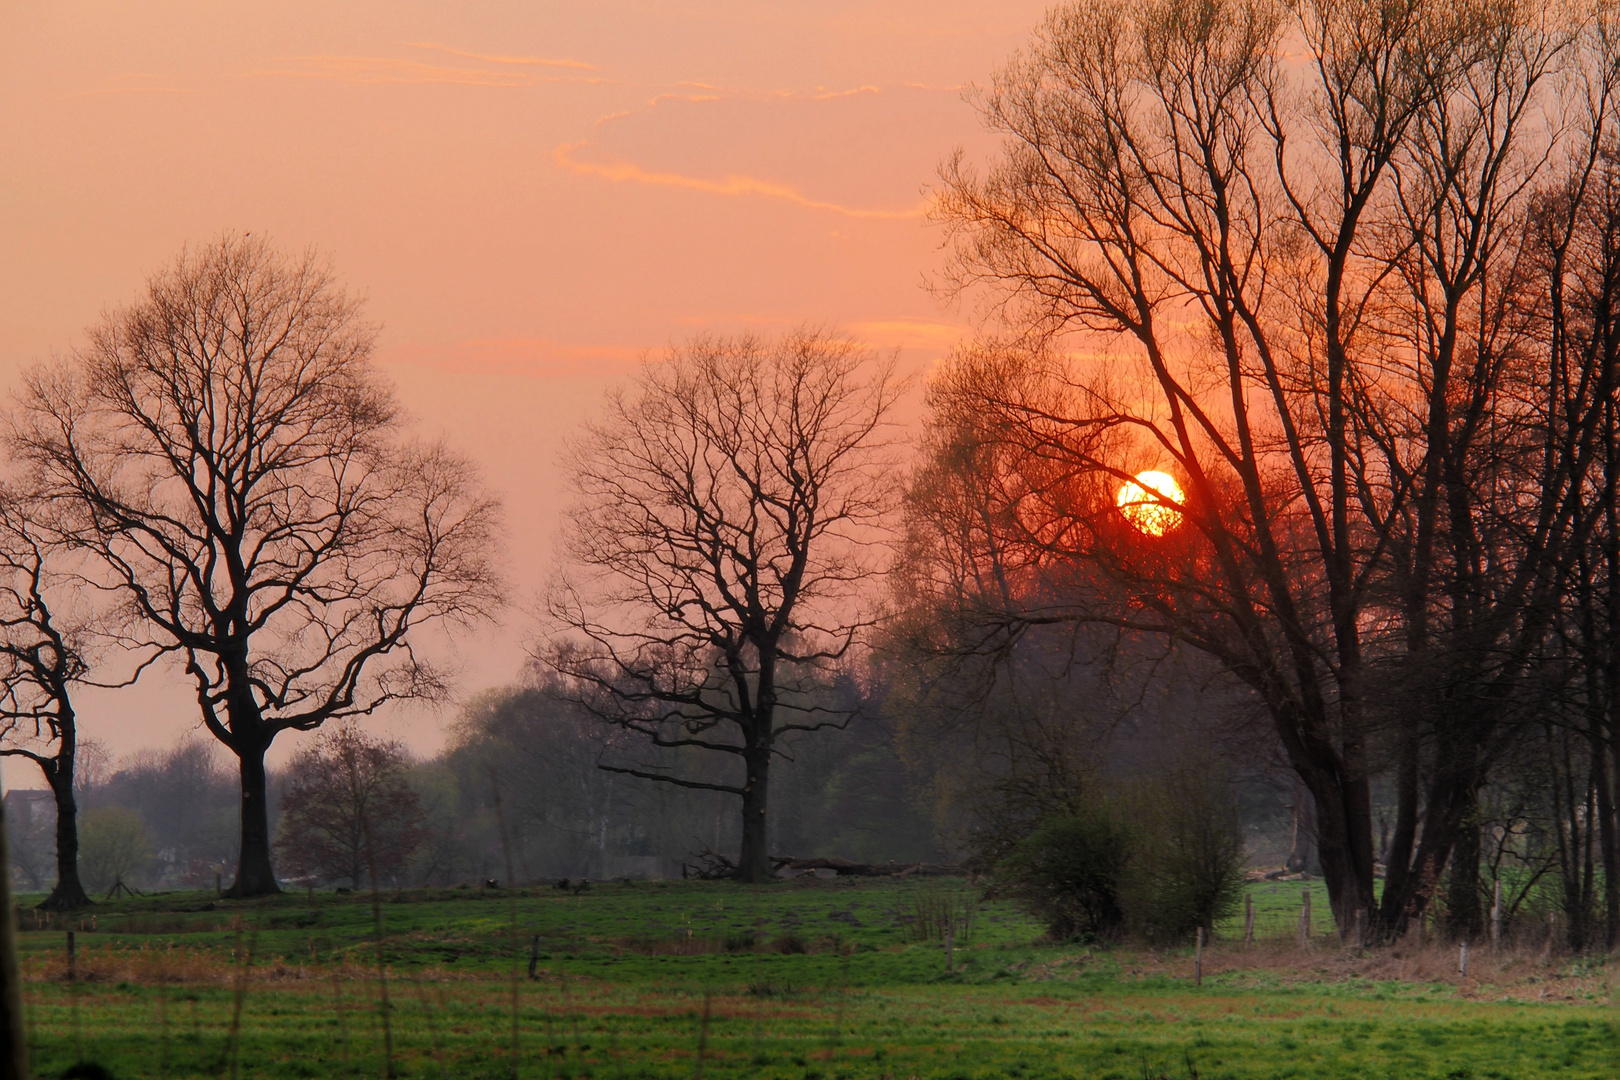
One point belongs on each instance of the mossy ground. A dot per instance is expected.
(686, 978)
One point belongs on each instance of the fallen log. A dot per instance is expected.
(850, 868)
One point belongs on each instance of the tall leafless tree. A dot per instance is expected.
(728, 505)
(246, 484)
(1292, 241)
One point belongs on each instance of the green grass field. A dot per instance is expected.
(810, 979)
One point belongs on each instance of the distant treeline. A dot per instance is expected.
(848, 796)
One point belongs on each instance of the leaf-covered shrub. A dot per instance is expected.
(1152, 861)
(1068, 873)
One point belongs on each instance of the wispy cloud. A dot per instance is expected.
(395, 69)
(519, 61)
(732, 185)
(905, 332)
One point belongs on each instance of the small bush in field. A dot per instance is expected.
(1068, 873)
(1176, 866)
(114, 846)
(1186, 866)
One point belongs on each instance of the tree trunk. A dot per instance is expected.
(1606, 841)
(1344, 846)
(1302, 851)
(254, 874)
(69, 892)
(754, 860)
(1464, 913)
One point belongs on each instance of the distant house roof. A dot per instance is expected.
(28, 804)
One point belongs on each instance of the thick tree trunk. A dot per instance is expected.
(69, 892)
(254, 874)
(1465, 915)
(754, 860)
(1344, 845)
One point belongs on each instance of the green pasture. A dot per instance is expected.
(810, 979)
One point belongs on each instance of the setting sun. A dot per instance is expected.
(1143, 500)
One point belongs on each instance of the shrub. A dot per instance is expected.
(1186, 865)
(113, 847)
(1068, 873)
(1176, 866)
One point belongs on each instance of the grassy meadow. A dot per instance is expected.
(804, 979)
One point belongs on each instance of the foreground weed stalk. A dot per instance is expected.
(382, 971)
(342, 1021)
(432, 1025)
(244, 968)
(163, 1033)
(511, 907)
(703, 1035)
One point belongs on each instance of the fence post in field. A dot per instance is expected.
(1198, 959)
(13, 1036)
(1496, 914)
(1361, 928)
(1462, 961)
(1304, 937)
(1248, 918)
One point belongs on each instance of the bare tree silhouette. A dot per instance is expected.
(246, 485)
(726, 508)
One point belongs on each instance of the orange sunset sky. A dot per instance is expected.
(532, 196)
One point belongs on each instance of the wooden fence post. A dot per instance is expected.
(1496, 915)
(1304, 937)
(1462, 961)
(1198, 959)
(1248, 918)
(13, 1034)
(1361, 928)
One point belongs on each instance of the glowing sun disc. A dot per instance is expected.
(1149, 502)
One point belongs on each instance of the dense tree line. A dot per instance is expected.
(1361, 308)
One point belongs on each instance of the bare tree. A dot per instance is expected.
(350, 808)
(244, 480)
(727, 509)
(1308, 290)
(45, 635)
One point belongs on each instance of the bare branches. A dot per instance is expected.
(1301, 280)
(730, 508)
(243, 483)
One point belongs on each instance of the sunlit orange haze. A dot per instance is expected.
(531, 196)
